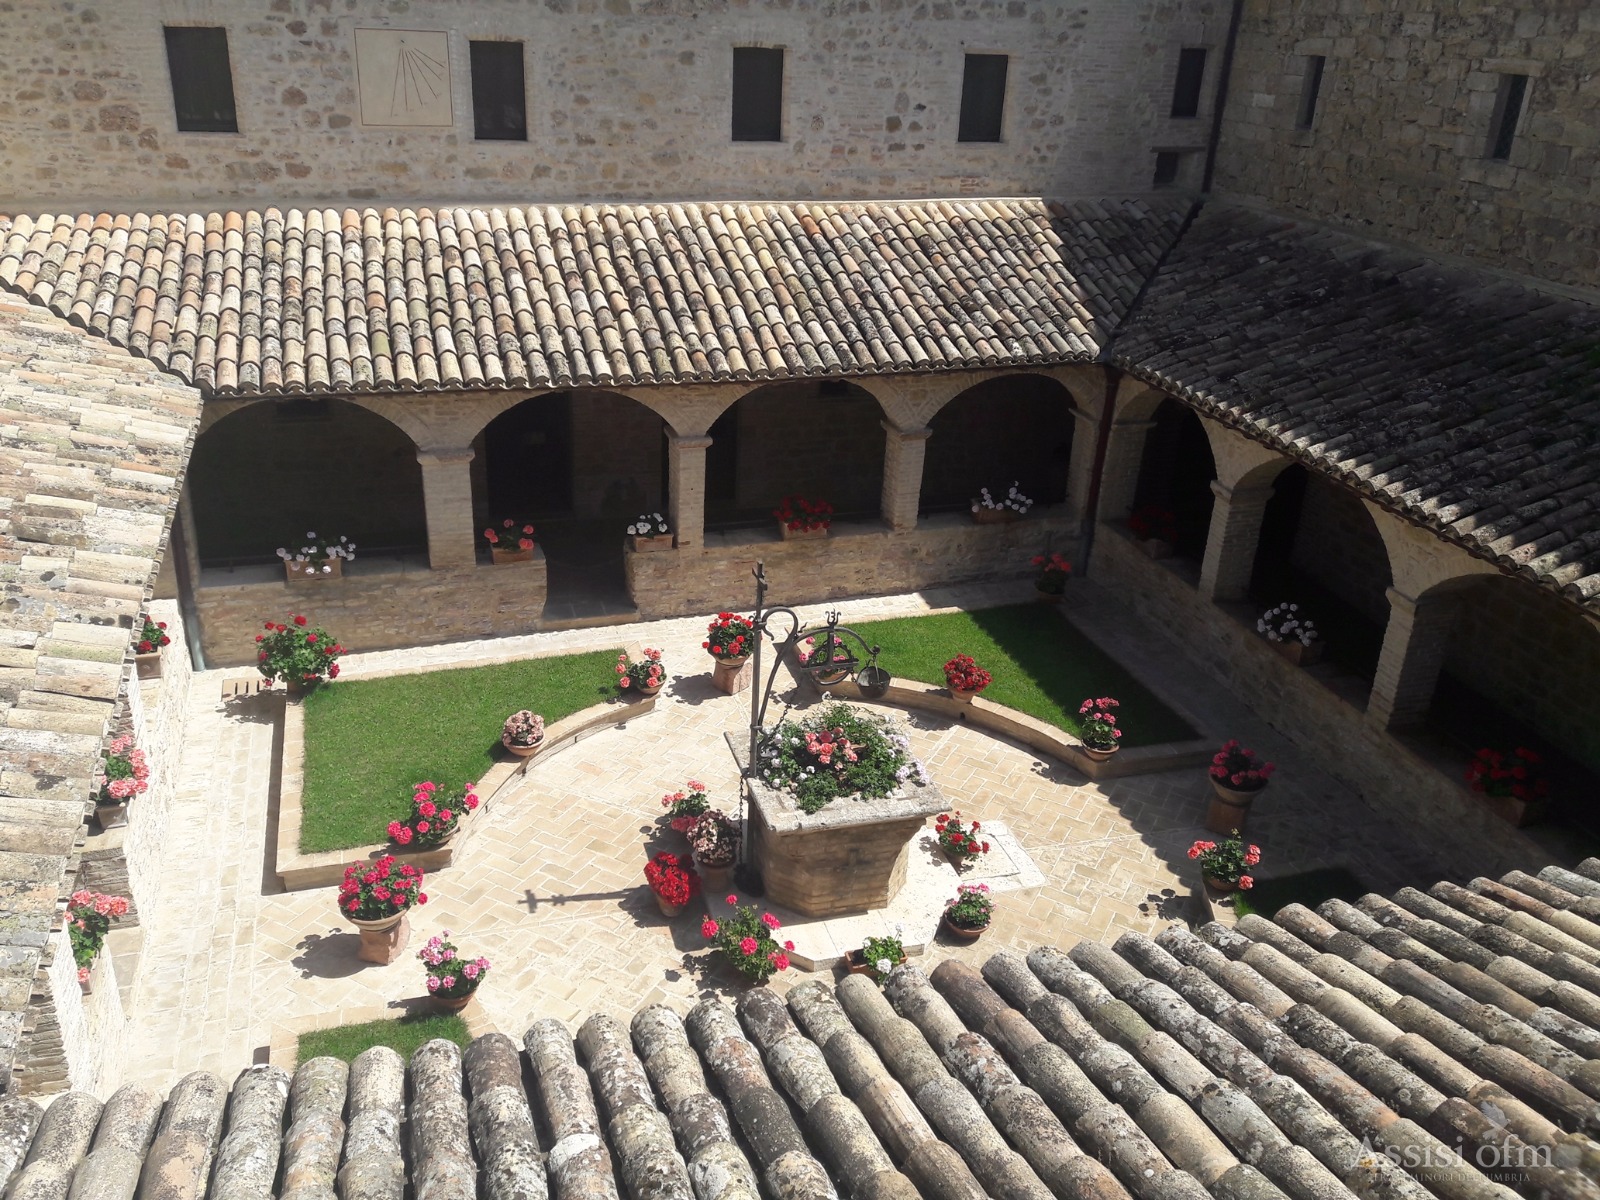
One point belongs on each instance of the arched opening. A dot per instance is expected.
(1319, 548)
(1015, 428)
(579, 465)
(270, 472)
(1175, 476)
(819, 439)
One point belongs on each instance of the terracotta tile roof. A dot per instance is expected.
(1466, 403)
(92, 445)
(1389, 1050)
(324, 300)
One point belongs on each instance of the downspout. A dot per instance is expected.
(1215, 139)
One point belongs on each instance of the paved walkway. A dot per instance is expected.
(551, 889)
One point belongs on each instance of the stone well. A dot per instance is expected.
(848, 858)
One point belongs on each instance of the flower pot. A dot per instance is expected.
(874, 682)
(1517, 812)
(667, 910)
(713, 879)
(961, 932)
(1229, 807)
(644, 545)
(306, 572)
(147, 666)
(801, 535)
(451, 1004)
(831, 676)
(382, 940)
(518, 751)
(86, 984)
(1156, 548)
(111, 816)
(729, 674)
(995, 516)
(1297, 652)
(1044, 597)
(855, 962)
(296, 687)
(963, 697)
(1098, 754)
(1221, 885)
(640, 691)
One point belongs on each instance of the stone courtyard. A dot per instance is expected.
(550, 885)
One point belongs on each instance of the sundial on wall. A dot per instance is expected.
(403, 77)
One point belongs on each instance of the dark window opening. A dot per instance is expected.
(983, 98)
(1186, 89)
(1507, 112)
(757, 94)
(499, 99)
(1310, 85)
(1167, 164)
(202, 81)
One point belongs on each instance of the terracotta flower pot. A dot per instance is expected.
(1298, 653)
(995, 516)
(963, 697)
(645, 545)
(1229, 807)
(522, 751)
(1221, 885)
(801, 535)
(147, 666)
(640, 691)
(856, 963)
(111, 816)
(1514, 811)
(1097, 754)
(382, 940)
(729, 674)
(667, 910)
(961, 932)
(509, 554)
(451, 1004)
(307, 572)
(714, 879)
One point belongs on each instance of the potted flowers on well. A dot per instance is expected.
(640, 678)
(1512, 781)
(968, 914)
(686, 806)
(878, 955)
(965, 678)
(828, 663)
(987, 510)
(523, 733)
(147, 645)
(746, 939)
(730, 640)
(126, 776)
(959, 841)
(1238, 774)
(451, 978)
(799, 517)
(673, 883)
(1224, 865)
(1291, 635)
(375, 897)
(715, 843)
(1051, 582)
(435, 817)
(299, 653)
(317, 558)
(1098, 728)
(649, 532)
(89, 917)
(510, 544)
(838, 751)
(1156, 528)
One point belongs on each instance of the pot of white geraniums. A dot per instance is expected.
(988, 510)
(878, 955)
(316, 558)
(649, 532)
(1293, 636)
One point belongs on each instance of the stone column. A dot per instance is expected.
(1231, 540)
(1414, 645)
(1119, 475)
(686, 488)
(447, 495)
(903, 452)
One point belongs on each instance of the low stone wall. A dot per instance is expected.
(94, 1027)
(1458, 828)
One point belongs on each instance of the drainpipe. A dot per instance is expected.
(1226, 75)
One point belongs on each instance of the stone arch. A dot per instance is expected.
(265, 472)
(1018, 426)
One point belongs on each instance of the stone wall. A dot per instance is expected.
(1400, 141)
(616, 457)
(626, 99)
(793, 440)
(1337, 544)
(81, 1042)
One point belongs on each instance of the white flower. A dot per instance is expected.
(658, 516)
(282, 553)
(326, 569)
(633, 530)
(309, 534)
(884, 966)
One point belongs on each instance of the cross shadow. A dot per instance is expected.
(1167, 905)
(261, 709)
(695, 689)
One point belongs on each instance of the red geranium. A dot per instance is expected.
(670, 879)
(152, 635)
(962, 842)
(433, 817)
(373, 891)
(524, 537)
(1152, 521)
(802, 515)
(1499, 773)
(1240, 768)
(730, 636)
(297, 651)
(963, 674)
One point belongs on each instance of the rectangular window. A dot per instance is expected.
(1310, 85)
(1507, 112)
(757, 94)
(1191, 74)
(202, 81)
(1167, 164)
(983, 98)
(499, 99)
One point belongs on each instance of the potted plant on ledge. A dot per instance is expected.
(452, 980)
(686, 807)
(89, 917)
(960, 842)
(714, 841)
(1156, 528)
(828, 664)
(375, 897)
(969, 913)
(523, 733)
(1291, 635)
(435, 819)
(1224, 864)
(799, 518)
(317, 558)
(638, 680)
(1051, 582)
(986, 510)
(299, 653)
(147, 645)
(877, 956)
(126, 776)
(649, 532)
(1099, 733)
(1238, 775)
(1512, 781)
(730, 640)
(510, 545)
(965, 678)
(746, 939)
(674, 884)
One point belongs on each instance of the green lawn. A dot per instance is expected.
(404, 1034)
(1040, 662)
(1310, 888)
(369, 741)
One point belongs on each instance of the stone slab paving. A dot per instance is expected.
(550, 886)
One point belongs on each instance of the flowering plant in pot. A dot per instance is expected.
(686, 806)
(89, 917)
(435, 818)
(801, 517)
(969, 912)
(1054, 571)
(714, 840)
(837, 751)
(127, 775)
(729, 636)
(650, 532)
(746, 939)
(986, 508)
(451, 977)
(375, 897)
(878, 955)
(317, 558)
(828, 663)
(1515, 779)
(965, 678)
(644, 677)
(147, 643)
(1224, 864)
(1237, 774)
(673, 883)
(510, 544)
(1098, 727)
(522, 733)
(298, 652)
(1291, 635)
(957, 839)
(1156, 528)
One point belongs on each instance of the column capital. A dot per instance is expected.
(680, 441)
(919, 433)
(455, 454)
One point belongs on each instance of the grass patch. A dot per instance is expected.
(1310, 888)
(404, 1034)
(369, 740)
(1041, 665)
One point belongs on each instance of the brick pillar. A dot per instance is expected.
(1414, 645)
(447, 496)
(1231, 540)
(903, 451)
(686, 488)
(1080, 468)
(1119, 476)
